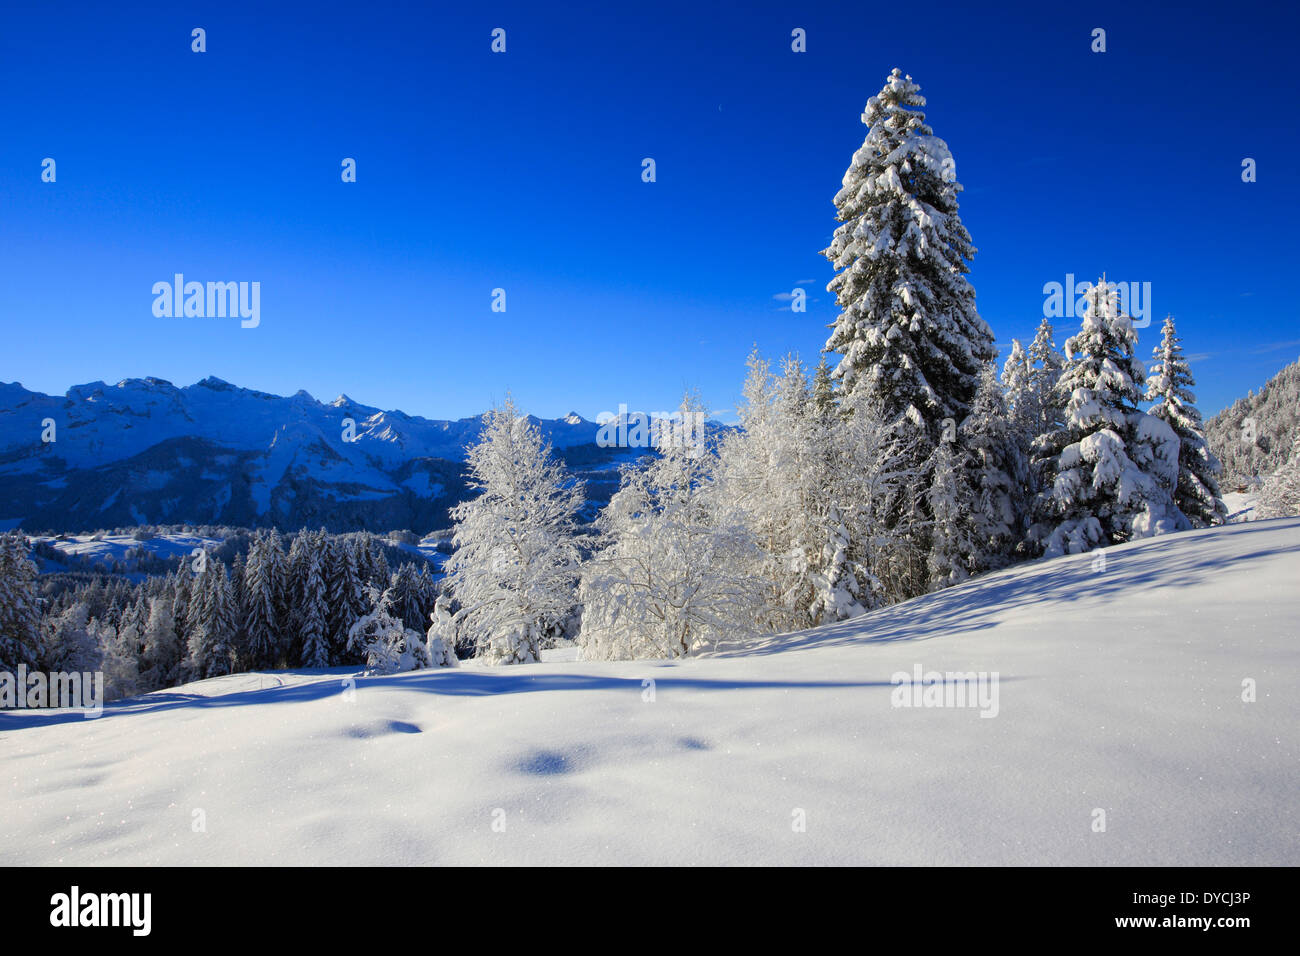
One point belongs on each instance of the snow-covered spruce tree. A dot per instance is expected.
(823, 389)
(441, 636)
(1020, 395)
(1169, 386)
(676, 570)
(213, 634)
(69, 644)
(181, 588)
(409, 593)
(346, 597)
(312, 611)
(1280, 496)
(908, 313)
(161, 658)
(1045, 365)
(261, 597)
(383, 642)
(954, 552)
(516, 557)
(20, 635)
(998, 474)
(1109, 471)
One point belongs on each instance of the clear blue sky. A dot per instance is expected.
(523, 171)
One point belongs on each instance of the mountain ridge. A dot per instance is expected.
(146, 451)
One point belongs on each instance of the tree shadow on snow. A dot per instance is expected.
(1165, 562)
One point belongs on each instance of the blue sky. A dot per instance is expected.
(522, 171)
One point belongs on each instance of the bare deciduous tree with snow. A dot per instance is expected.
(677, 570)
(516, 555)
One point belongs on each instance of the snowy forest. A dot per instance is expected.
(904, 462)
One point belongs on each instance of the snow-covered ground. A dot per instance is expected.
(1121, 690)
(107, 548)
(1241, 505)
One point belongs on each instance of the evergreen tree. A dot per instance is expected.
(347, 601)
(20, 635)
(1280, 496)
(955, 551)
(908, 316)
(214, 624)
(998, 475)
(261, 590)
(1109, 471)
(313, 612)
(380, 639)
(1169, 386)
(407, 595)
(1021, 396)
(823, 389)
(69, 645)
(1045, 366)
(442, 634)
(161, 655)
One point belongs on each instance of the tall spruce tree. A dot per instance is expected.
(908, 314)
(313, 610)
(1169, 386)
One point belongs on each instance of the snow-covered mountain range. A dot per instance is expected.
(144, 451)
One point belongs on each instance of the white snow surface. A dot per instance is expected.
(1121, 689)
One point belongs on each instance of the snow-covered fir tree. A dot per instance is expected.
(998, 474)
(1252, 437)
(410, 593)
(161, 655)
(70, 644)
(676, 570)
(262, 590)
(1280, 496)
(1109, 472)
(441, 636)
(214, 632)
(383, 642)
(20, 635)
(1045, 366)
(313, 611)
(346, 597)
(1021, 396)
(954, 550)
(908, 315)
(516, 557)
(1169, 386)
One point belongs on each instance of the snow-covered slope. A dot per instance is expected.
(1121, 690)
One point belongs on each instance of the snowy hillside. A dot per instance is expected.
(1120, 690)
